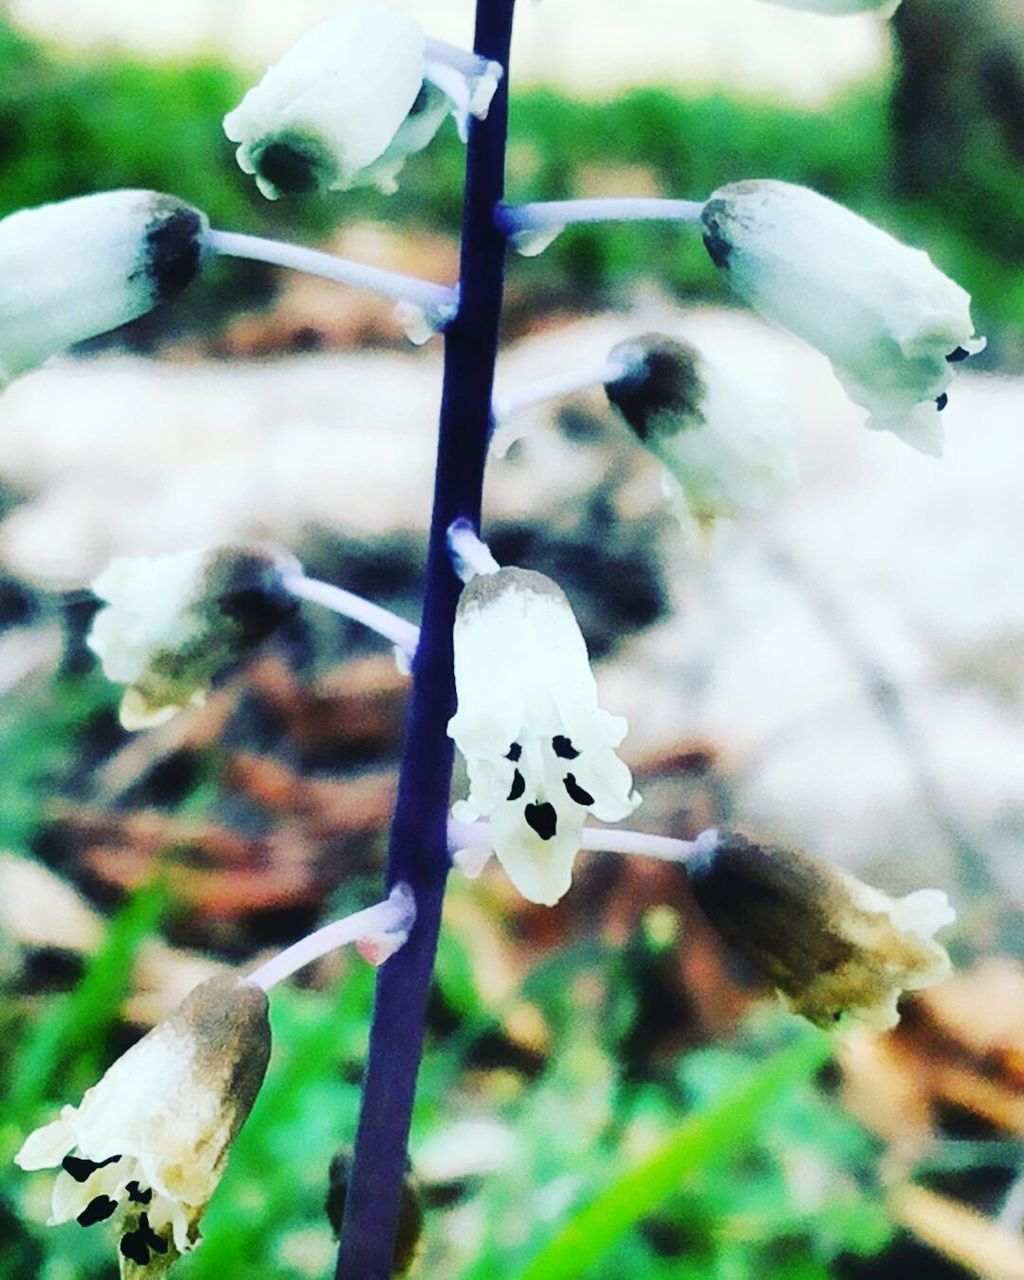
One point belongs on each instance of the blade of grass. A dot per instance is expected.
(724, 1127)
(74, 1029)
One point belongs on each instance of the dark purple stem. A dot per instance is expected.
(419, 849)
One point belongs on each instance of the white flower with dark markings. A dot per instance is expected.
(891, 323)
(726, 448)
(173, 623)
(148, 1144)
(539, 750)
(351, 101)
(830, 943)
(79, 268)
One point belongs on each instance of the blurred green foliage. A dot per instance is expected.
(69, 126)
(730, 1162)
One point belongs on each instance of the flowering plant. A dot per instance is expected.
(499, 664)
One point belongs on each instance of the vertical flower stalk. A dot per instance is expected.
(419, 851)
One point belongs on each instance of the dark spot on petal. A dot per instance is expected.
(98, 1209)
(173, 247)
(941, 402)
(518, 786)
(136, 1245)
(137, 1194)
(514, 752)
(293, 170)
(575, 791)
(958, 354)
(81, 1170)
(563, 747)
(542, 818)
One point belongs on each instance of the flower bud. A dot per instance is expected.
(148, 1144)
(891, 323)
(539, 750)
(349, 103)
(831, 944)
(721, 443)
(72, 270)
(175, 622)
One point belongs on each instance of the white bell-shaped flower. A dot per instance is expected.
(82, 267)
(348, 103)
(727, 448)
(173, 623)
(891, 323)
(148, 1144)
(830, 943)
(539, 750)
(884, 8)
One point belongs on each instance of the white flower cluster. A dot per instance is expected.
(539, 750)
(726, 448)
(147, 1145)
(892, 324)
(173, 623)
(351, 101)
(78, 268)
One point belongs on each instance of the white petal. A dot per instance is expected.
(540, 869)
(47, 1147)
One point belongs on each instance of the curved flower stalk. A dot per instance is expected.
(726, 449)
(78, 268)
(148, 1144)
(173, 623)
(539, 750)
(832, 945)
(351, 101)
(891, 323)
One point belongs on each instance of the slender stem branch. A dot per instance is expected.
(418, 851)
(387, 624)
(476, 835)
(438, 300)
(470, 555)
(385, 924)
(554, 387)
(514, 218)
(462, 60)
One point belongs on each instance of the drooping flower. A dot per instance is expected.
(173, 623)
(538, 748)
(891, 323)
(75, 269)
(831, 944)
(148, 1144)
(884, 8)
(351, 101)
(727, 449)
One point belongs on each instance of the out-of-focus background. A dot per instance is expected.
(843, 672)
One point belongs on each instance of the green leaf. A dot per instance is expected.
(722, 1127)
(74, 1029)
